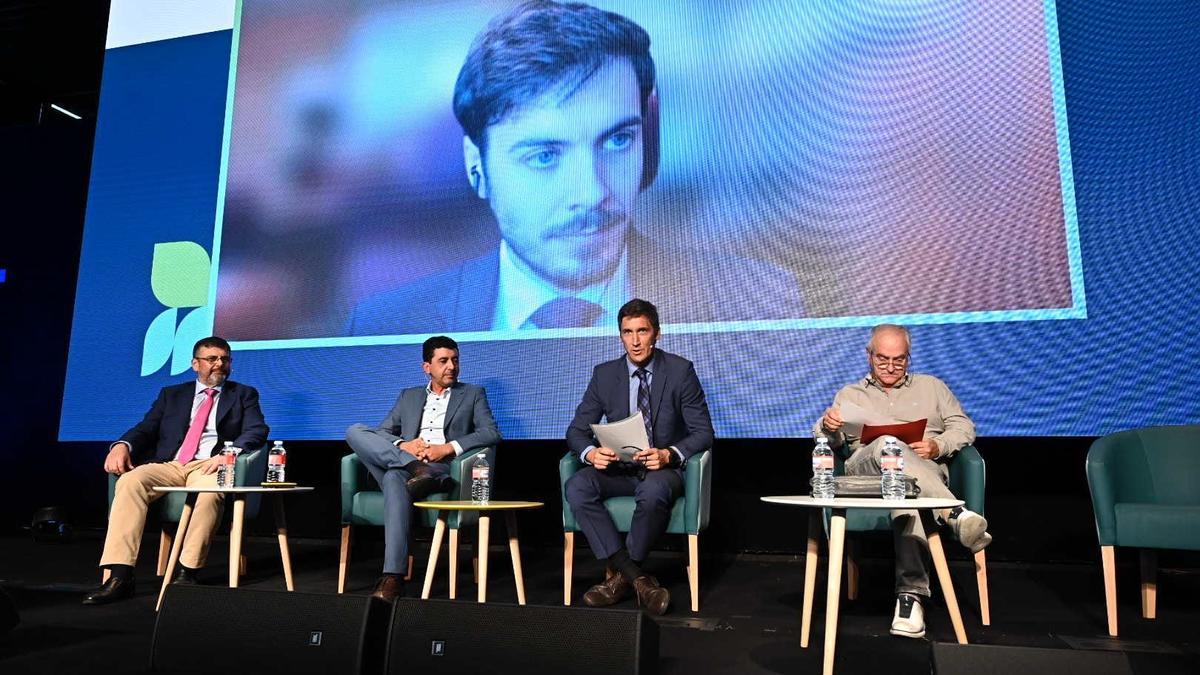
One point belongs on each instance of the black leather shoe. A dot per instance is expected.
(112, 590)
(423, 482)
(184, 576)
(389, 587)
(612, 590)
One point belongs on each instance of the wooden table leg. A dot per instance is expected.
(837, 538)
(180, 533)
(439, 530)
(514, 550)
(235, 537)
(943, 571)
(484, 525)
(810, 575)
(281, 532)
(454, 560)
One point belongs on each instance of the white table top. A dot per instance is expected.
(864, 502)
(249, 489)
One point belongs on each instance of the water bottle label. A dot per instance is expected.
(479, 473)
(277, 460)
(891, 463)
(822, 463)
(228, 458)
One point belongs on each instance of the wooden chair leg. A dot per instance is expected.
(851, 570)
(243, 564)
(344, 557)
(453, 563)
(985, 611)
(165, 538)
(568, 565)
(408, 572)
(694, 569)
(1149, 564)
(1108, 558)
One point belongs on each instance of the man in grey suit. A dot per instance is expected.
(409, 452)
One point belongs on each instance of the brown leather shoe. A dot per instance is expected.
(389, 587)
(612, 590)
(650, 596)
(423, 482)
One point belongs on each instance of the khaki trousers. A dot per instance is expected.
(135, 492)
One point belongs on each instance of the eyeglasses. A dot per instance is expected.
(213, 360)
(898, 362)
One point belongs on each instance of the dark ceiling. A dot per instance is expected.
(51, 51)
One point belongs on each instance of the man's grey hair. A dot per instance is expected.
(889, 328)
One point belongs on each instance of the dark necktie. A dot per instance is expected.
(566, 313)
(643, 401)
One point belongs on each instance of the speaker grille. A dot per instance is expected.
(442, 636)
(235, 630)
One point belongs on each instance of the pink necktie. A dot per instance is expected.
(191, 442)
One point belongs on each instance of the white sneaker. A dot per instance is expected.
(909, 619)
(971, 530)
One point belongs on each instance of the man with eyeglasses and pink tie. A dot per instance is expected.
(176, 444)
(890, 392)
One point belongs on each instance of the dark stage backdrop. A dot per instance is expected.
(1129, 80)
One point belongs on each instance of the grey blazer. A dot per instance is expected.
(468, 417)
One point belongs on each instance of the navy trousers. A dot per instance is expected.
(654, 494)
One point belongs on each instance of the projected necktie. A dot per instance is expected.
(643, 401)
(191, 442)
(566, 313)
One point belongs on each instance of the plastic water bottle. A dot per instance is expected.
(276, 463)
(891, 470)
(227, 466)
(822, 468)
(481, 474)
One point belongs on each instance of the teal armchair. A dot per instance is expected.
(361, 506)
(689, 516)
(251, 470)
(968, 478)
(1145, 487)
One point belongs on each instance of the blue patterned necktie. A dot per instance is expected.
(566, 313)
(643, 401)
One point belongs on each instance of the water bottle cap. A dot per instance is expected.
(229, 444)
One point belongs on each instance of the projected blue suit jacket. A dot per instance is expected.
(687, 287)
(160, 433)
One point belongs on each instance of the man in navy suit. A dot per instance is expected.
(665, 389)
(559, 113)
(176, 444)
(409, 452)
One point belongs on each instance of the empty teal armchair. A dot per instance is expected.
(968, 478)
(251, 470)
(361, 506)
(1145, 487)
(689, 516)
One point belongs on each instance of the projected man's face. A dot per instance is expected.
(212, 365)
(562, 175)
(442, 368)
(888, 358)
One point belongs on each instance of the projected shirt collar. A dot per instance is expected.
(521, 293)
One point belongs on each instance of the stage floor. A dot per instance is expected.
(748, 623)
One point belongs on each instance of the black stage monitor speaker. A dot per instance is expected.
(225, 630)
(445, 636)
(956, 659)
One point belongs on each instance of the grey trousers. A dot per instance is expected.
(912, 574)
(386, 463)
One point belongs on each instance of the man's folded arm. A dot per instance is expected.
(696, 417)
(392, 426)
(486, 433)
(254, 425)
(590, 410)
(960, 430)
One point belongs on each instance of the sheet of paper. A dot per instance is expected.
(908, 432)
(855, 416)
(624, 437)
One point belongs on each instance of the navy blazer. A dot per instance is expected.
(468, 417)
(678, 410)
(687, 286)
(161, 431)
